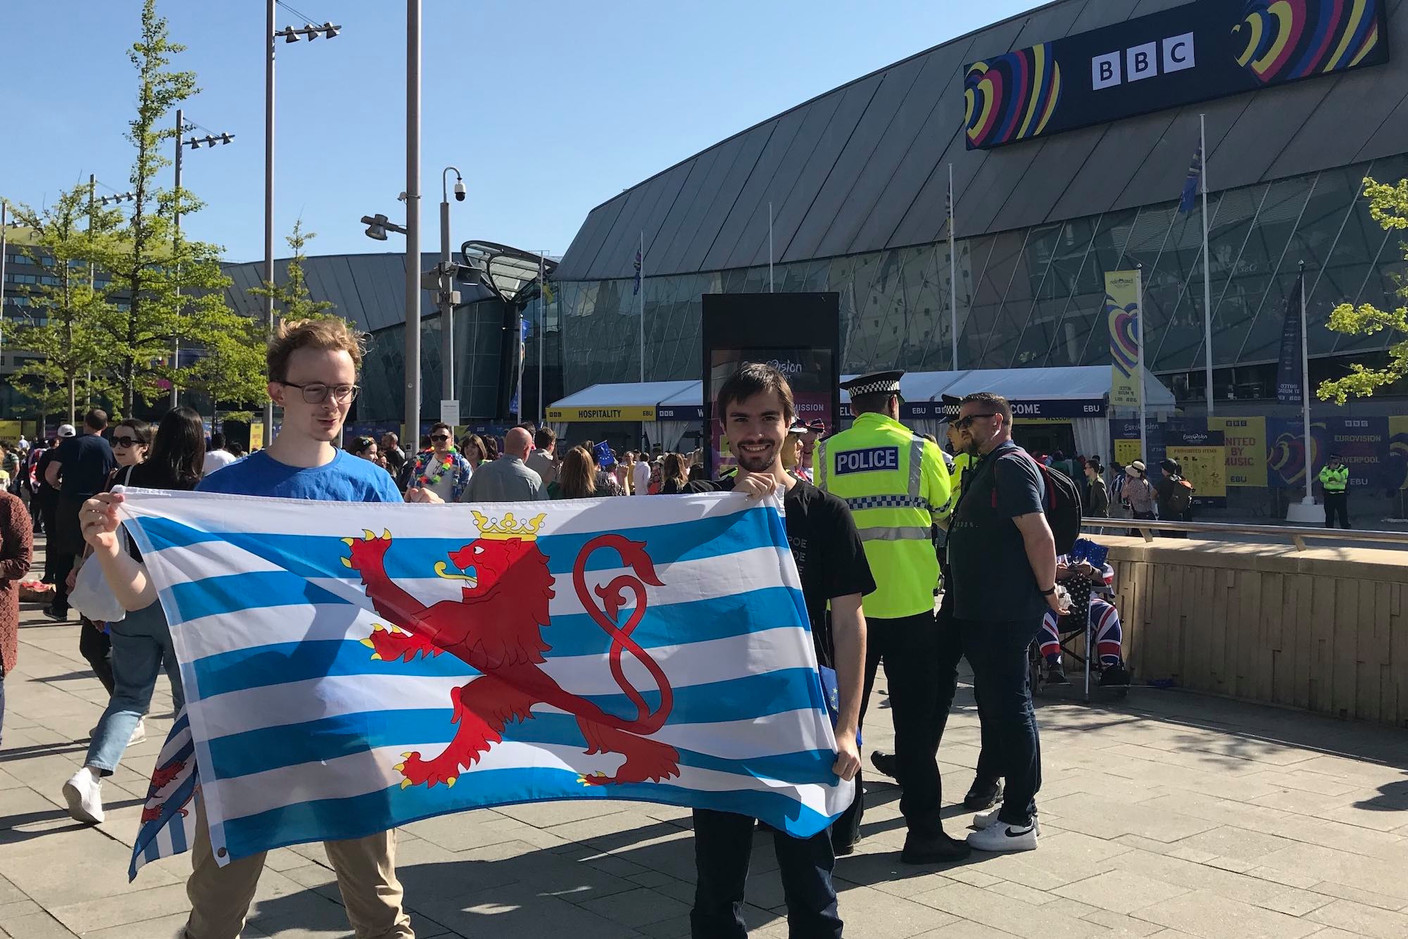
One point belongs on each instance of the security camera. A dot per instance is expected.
(459, 190)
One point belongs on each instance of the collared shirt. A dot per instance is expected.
(451, 484)
(506, 479)
(544, 464)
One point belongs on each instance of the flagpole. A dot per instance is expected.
(542, 328)
(640, 277)
(769, 247)
(1143, 388)
(521, 362)
(952, 275)
(1305, 392)
(1207, 261)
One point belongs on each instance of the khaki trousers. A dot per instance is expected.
(366, 876)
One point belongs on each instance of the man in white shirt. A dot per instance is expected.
(640, 475)
(217, 457)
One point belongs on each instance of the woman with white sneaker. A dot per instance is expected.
(141, 641)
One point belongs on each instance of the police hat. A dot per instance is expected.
(949, 409)
(875, 383)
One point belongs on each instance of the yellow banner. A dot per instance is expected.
(601, 415)
(1122, 311)
(1126, 451)
(1245, 439)
(9, 432)
(256, 437)
(1205, 468)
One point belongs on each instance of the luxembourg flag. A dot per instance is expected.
(351, 667)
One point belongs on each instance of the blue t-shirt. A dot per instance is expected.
(346, 479)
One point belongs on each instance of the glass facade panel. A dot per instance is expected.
(1036, 296)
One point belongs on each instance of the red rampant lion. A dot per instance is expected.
(496, 629)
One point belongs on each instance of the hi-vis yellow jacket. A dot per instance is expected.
(895, 483)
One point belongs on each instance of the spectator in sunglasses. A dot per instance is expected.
(442, 470)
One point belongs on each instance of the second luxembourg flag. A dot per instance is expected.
(352, 667)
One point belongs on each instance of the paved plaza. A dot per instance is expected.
(1165, 815)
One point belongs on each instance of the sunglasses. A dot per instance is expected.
(439, 438)
(963, 423)
(128, 442)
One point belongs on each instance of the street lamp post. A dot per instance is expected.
(289, 35)
(445, 296)
(412, 353)
(194, 143)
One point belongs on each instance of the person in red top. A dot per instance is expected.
(16, 552)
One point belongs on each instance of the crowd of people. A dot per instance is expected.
(880, 522)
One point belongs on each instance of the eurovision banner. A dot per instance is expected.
(1245, 444)
(1122, 309)
(1397, 466)
(355, 667)
(1189, 53)
(1362, 442)
(1288, 366)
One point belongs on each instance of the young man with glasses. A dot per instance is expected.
(313, 370)
(442, 469)
(1003, 559)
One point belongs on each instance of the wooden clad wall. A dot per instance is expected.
(1325, 629)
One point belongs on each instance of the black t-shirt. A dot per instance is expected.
(992, 578)
(87, 460)
(826, 547)
(41, 465)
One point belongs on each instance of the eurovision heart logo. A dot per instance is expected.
(1124, 335)
(1398, 462)
(1287, 457)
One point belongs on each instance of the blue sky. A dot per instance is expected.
(549, 108)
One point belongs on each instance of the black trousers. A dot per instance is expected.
(950, 653)
(723, 843)
(909, 648)
(1336, 503)
(998, 654)
(96, 648)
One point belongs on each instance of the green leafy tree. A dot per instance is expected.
(66, 306)
(169, 287)
(292, 299)
(1388, 204)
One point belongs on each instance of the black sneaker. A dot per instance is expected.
(55, 615)
(843, 849)
(1114, 676)
(884, 763)
(983, 794)
(1056, 675)
(933, 849)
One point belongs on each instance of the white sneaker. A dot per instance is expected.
(1003, 837)
(139, 733)
(985, 820)
(84, 794)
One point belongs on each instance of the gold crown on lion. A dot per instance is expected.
(503, 529)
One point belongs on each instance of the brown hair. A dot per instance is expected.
(994, 402)
(576, 477)
(754, 378)
(674, 468)
(324, 332)
(472, 440)
(441, 425)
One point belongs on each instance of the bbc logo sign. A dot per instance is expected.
(1173, 54)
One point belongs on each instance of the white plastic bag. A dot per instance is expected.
(91, 594)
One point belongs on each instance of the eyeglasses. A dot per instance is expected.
(439, 438)
(128, 442)
(317, 392)
(963, 423)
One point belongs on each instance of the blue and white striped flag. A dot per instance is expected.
(351, 667)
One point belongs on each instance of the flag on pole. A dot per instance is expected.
(548, 293)
(341, 682)
(1288, 367)
(636, 289)
(1189, 198)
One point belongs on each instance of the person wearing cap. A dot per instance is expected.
(895, 482)
(1138, 493)
(79, 469)
(814, 430)
(1334, 478)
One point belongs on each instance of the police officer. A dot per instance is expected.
(986, 790)
(1335, 479)
(895, 482)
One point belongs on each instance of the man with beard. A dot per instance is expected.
(895, 483)
(755, 407)
(1003, 558)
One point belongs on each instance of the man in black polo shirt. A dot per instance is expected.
(1003, 559)
(78, 470)
(755, 408)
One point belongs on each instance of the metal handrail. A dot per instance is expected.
(1297, 535)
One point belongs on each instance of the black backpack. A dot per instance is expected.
(1063, 505)
(1180, 497)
